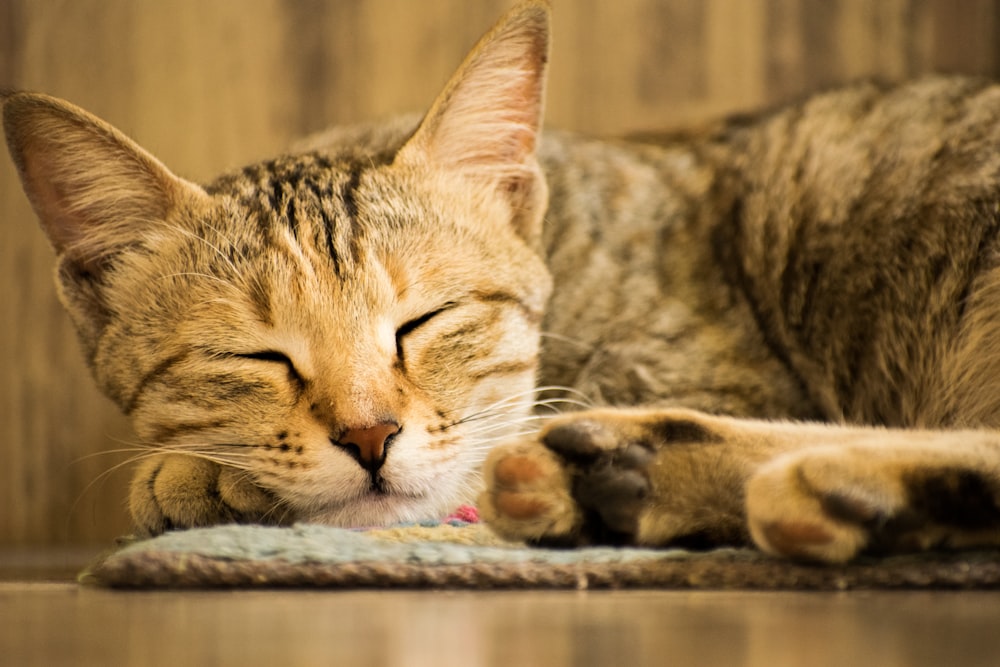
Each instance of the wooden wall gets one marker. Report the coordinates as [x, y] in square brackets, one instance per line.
[207, 85]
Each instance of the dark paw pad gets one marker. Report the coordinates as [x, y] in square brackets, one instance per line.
[609, 481]
[582, 440]
[615, 488]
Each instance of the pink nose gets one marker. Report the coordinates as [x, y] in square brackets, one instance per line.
[368, 444]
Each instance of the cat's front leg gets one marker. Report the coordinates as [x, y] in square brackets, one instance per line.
[807, 491]
[889, 492]
[651, 477]
[175, 491]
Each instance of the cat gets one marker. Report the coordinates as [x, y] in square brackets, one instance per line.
[781, 329]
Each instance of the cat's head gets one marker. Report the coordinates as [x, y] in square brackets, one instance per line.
[354, 327]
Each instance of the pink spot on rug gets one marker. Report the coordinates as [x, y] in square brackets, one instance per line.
[466, 513]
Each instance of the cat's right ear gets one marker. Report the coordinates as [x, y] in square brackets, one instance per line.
[95, 190]
[485, 124]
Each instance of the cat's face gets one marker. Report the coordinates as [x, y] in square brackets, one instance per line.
[354, 327]
[311, 297]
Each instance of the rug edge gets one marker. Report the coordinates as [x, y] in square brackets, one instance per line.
[166, 570]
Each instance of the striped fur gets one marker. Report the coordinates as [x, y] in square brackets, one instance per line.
[785, 324]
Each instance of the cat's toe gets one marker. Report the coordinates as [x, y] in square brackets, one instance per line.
[147, 516]
[171, 492]
[528, 496]
[581, 440]
[610, 482]
[247, 502]
[813, 506]
[614, 496]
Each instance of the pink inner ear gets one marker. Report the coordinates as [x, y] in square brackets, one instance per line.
[93, 188]
[487, 119]
[527, 100]
[50, 202]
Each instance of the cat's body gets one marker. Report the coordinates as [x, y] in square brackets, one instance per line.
[816, 262]
[643, 311]
[343, 334]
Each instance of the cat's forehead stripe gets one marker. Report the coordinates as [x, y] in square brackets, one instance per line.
[312, 195]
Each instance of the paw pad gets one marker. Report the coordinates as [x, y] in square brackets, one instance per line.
[518, 470]
[581, 440]
[795, 539]
[519, 507]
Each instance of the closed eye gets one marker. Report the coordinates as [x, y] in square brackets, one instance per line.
[268, 355]
[275, 357]
[414, 324]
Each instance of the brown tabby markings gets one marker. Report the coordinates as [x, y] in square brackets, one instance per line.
[793, 319]
[304, 297]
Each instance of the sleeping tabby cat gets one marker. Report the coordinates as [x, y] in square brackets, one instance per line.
[787, 328]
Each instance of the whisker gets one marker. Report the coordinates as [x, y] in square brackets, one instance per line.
[566, 339]
[218, 251]
[219, 232]
[515, 399]
[550, 404]
[103, 477]
[231, 461]
[565, 390]
[496, 426]
[107, 452]
[241, 281]
[505, 402]
[216, 445]
[222, 453]
[206, 276]
[273, 511]
[233, 455]
[562, 404]
[501, 403]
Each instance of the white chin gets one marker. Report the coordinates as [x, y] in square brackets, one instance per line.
[373, 510]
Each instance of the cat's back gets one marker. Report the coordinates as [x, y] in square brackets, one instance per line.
[847, 230]
[862, 223]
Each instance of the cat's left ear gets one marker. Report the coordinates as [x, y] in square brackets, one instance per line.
[485, 124]
[95, 190]
[97, 194]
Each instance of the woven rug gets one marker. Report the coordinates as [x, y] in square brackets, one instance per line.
[457, 553]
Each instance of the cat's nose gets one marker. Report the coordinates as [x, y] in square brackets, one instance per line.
[368, 444]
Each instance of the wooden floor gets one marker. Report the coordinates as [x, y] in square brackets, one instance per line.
[46, 619]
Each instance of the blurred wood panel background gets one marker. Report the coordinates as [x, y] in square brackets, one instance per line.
[210, 85]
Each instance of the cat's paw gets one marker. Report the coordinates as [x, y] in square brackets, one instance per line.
[174, 491]
[581, 481]
[807, 506]
[832, 504]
